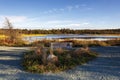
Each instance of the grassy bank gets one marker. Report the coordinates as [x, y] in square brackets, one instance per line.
[4, 41]
[25, 35]
[67, 59]
[30, 35]
[2, 36]
[115, 42]
[80, 43]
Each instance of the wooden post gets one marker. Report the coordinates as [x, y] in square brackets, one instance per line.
[51, 57]
[44, 56]
[51, 48]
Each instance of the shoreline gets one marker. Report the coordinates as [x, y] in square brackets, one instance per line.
[30, 35]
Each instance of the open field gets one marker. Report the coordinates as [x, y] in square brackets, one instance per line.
[105, 67]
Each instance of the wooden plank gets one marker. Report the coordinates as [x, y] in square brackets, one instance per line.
[61, 45]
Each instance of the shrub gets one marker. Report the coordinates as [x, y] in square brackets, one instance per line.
[67, 59]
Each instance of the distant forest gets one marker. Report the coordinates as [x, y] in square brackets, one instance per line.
[65, 31]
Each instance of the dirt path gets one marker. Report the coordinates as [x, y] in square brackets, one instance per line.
[105, 67]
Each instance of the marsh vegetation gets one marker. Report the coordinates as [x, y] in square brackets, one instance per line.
[63, 60]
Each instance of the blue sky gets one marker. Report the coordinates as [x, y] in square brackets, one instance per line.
[57, 14]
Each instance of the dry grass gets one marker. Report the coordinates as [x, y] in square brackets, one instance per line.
[2, 36]
[80, 43]
[25, 35]
[65, 60]
[30, 35]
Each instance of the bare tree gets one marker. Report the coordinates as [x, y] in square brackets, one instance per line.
[8, 25]
[12, 34]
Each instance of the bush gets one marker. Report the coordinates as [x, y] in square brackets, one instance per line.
[67, 59]
[115, 42]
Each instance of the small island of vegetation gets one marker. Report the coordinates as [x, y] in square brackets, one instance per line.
[61, 59]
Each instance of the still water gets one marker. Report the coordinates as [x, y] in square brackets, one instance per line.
[72, 36]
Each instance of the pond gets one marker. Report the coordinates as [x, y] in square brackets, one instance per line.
[72, 36]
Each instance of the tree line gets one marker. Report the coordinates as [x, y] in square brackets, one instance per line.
[65, 31]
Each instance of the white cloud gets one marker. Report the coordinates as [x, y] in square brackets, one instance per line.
[58, 24]
[19, 21]
[58, 21]
[74, 25]
[1, 23]
[35, 23]
[71, 26]
[50, 11]
[54, 22]
[68, 8]
[15, 19]
[61, 26]
[85, 23]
